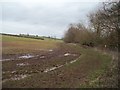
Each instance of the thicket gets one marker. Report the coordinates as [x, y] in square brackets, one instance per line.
[104, 28]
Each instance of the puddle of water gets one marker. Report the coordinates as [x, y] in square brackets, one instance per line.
[20, 57]
[19, 77]
[5, 60]
[73, 61]
[50, 69]
[42, 57]
[50, 50]
[60, 66]
[22, 64]
[13, 71]
[53, 68]
[26, 56]
[3, 72]
[67, 54]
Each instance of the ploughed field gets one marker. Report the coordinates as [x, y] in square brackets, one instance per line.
[49, 63]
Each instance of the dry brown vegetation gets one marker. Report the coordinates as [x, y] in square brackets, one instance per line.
[103, 29]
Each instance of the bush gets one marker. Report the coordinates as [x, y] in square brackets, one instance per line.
[79, 34]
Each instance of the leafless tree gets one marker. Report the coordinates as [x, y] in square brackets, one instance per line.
[105, 22]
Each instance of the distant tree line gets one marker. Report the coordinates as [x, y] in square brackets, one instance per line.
[104, 28]
[51, 37]
[32, 36]
[25, 36]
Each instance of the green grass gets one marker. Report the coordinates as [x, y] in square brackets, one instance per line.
[93, 76]
[13, 45]
[93, 65]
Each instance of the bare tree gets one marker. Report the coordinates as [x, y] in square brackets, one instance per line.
[78, 33]
[105, 23]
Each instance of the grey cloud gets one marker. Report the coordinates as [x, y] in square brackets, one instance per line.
[45, 19]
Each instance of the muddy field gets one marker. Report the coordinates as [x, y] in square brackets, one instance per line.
[17, 64]
[55, 64]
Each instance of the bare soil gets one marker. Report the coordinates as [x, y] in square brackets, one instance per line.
[41, 60]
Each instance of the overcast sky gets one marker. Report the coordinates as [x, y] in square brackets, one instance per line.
[43, 17]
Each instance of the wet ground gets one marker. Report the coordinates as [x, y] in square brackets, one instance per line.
[20, 66]
[66, 66]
